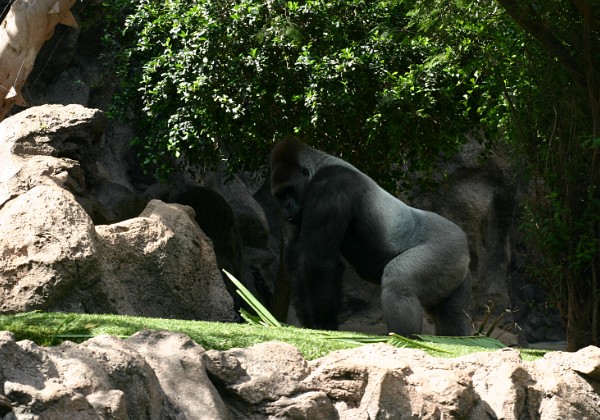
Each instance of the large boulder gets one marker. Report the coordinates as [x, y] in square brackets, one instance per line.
[55, 256]
[46, 146]
[158, 374]
[47, 246]
[151, 375]
[159, 264]
[62, 145]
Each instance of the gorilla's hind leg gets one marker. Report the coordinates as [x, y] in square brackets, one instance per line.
[400, 300]
[413, 283]
[450, 316]
[402, 312]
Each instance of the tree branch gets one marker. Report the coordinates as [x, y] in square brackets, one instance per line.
[27, 25]
[533, 24]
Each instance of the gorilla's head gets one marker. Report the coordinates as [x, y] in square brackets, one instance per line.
[289, 177]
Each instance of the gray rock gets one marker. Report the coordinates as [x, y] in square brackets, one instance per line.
[180, 368]
[159, 264]
[158, 374]
[47, 246]
[52, 257]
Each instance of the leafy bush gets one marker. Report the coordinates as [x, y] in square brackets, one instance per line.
[209, 81]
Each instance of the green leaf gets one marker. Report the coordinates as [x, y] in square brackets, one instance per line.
[397, 340]
[359, 341]
[393, 339]
[476, 341]
[251, 319]
[266, 317]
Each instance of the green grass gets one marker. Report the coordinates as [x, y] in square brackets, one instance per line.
[51, 328]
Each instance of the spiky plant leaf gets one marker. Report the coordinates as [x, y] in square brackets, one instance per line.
[475, 341]
[397, 340]
[393, 340]
[251, 319]
[359, 341]
[266, 317]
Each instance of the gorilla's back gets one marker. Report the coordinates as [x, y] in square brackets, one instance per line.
[381, 227]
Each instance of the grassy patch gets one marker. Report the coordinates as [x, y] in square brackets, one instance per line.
[51, 328]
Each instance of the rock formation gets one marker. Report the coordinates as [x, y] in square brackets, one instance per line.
[157, 374]
[82, 229]
[53, 256]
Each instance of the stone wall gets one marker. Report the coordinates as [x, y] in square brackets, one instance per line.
[158, 374]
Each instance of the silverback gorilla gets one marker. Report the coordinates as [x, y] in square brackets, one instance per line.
[420, 258]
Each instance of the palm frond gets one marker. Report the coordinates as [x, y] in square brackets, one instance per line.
[474, 341]
[266, 318]
[358, 341]
[397, 340]
[393, 340]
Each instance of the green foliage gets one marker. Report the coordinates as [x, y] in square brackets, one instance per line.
[263, 316]
[206, 81]
[475, 341]
[266, 319]
[555, 123]
[53, 328]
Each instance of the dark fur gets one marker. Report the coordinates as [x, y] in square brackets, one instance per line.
[420, 258]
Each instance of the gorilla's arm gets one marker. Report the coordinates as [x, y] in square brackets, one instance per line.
[314, 257]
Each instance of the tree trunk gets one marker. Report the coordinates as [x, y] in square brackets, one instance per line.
[580, 192]
[578, 333]
[27, 25]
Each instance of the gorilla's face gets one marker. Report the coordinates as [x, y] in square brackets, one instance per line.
[290, 206]
[289, 177]
[290, 194]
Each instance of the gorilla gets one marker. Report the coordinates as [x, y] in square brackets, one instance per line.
[420, 258]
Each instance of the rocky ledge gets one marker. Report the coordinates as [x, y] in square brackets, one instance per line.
[158, 374]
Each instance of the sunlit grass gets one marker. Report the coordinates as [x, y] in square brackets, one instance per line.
[51, 328]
